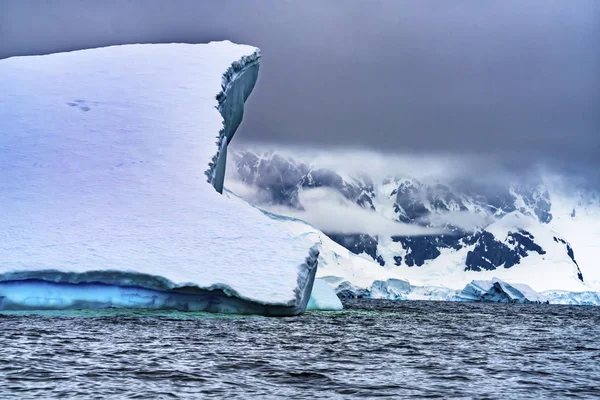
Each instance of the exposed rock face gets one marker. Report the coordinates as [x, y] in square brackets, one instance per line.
[358, 244]
[571, 255]
[490, 253]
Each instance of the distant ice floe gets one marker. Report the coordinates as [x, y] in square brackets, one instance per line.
[486, 291]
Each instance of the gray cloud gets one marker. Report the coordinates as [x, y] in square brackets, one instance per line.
[516, 80]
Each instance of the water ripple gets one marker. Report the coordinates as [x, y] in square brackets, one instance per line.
[372, 349]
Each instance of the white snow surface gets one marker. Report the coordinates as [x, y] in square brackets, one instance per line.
[102, 160]
[577, 217]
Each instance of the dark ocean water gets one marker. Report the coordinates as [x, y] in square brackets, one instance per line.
[372, 349]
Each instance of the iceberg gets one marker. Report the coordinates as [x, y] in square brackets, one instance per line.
[395, 289]
[323, 297]
[498, 291]
[588, 298]
[111, 164]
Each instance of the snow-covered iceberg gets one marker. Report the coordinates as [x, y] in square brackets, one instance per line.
[104, 199]
[498, 291]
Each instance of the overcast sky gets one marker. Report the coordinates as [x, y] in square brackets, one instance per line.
[510, 78]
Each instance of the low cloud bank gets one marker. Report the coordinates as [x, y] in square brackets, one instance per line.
[465, 220]
[329, 211]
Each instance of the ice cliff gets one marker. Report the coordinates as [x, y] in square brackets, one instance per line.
[104, 155]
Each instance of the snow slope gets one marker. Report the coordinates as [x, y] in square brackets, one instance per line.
[578, 214]
[104, 155]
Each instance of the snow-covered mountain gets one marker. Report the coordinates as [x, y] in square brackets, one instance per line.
[539, 234]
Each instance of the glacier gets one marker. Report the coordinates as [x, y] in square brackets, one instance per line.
[111, 164]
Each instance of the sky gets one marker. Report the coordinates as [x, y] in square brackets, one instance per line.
[516, 82]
